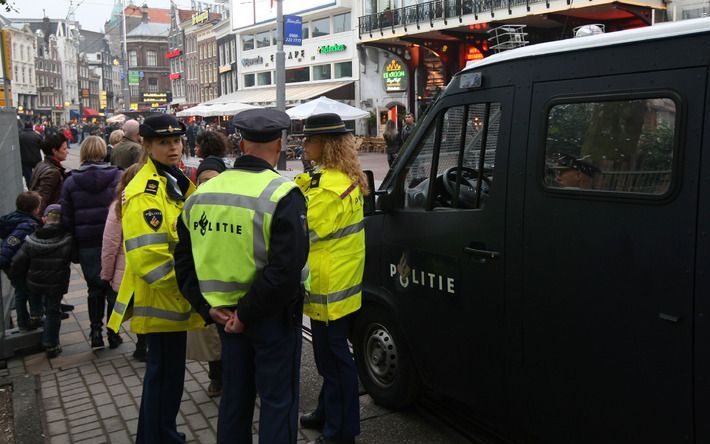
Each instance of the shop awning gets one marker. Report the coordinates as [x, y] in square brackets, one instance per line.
[266, 96]
[90, 112]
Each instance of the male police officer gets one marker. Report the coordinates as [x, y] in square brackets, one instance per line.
[240, 261]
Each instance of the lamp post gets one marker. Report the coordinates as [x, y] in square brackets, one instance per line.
[280, 76]
[126, 88]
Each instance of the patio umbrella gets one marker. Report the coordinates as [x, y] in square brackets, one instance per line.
[226, 109]
[325, 105]
[197, 110]
[116, 118]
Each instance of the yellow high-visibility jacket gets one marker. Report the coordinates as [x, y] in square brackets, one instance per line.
[149, 225]
[337, 244]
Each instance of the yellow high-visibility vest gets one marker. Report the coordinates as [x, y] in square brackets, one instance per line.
[337, 244]
[229, 219]
[149, 226]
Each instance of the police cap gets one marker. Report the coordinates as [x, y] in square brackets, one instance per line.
[567, 162]
[161, 125]
[261, 125]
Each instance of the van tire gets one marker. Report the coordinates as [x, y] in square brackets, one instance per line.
[383, 361]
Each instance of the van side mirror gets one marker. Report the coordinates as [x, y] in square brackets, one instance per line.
[369, 203]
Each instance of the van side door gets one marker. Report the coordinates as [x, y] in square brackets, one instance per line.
[609, 254]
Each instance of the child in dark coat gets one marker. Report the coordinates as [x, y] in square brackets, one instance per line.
[14, 228]
[45, 259]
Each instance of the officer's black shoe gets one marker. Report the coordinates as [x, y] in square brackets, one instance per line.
[312, 421]
[114, 340]
[97, 339]
[66, 307]
[63, 316]
[323, 440]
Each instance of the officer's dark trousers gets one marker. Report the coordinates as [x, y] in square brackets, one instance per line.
[265, 359]
[162, 389]
[338, 402]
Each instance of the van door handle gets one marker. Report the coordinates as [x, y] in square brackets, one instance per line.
[482, 254]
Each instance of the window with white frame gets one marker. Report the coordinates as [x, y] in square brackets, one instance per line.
[341, 23]
[151, 58]
[321, 27]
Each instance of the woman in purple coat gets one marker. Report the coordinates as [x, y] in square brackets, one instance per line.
[86, 196]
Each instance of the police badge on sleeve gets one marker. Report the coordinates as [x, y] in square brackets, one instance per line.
[154, 218]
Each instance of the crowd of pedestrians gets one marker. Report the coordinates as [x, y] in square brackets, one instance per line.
[213, 264]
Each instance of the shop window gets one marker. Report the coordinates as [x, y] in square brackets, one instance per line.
[295, 75]
[321, 72]
[341, 23]
[321, 27]
[263, 39]
[620, 146]
[263, 78]
[343, 69]
[247, 42]
[248, 80]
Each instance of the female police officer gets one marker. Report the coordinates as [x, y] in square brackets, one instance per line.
[336, 260]
[152, 202]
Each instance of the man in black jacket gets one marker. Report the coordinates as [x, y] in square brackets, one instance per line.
[30, 152]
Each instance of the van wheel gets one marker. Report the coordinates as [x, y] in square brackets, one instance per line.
[385, 367]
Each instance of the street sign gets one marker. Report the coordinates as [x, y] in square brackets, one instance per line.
[293, 30]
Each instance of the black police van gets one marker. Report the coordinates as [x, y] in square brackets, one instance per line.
[540, 253]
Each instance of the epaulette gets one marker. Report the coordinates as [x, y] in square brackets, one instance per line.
[315, 180]
[151, 187]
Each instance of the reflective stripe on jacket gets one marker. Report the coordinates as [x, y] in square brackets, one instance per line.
[149, 225]
[230, 217]
[337, 251]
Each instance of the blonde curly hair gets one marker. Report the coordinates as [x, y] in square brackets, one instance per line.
[339, 152]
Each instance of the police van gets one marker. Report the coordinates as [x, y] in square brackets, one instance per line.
[540, 253]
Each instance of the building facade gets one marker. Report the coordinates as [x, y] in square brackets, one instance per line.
[24, 77]
[226, 56]
[49, 78]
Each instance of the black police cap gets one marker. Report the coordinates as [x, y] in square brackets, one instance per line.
[565, 162]
[161, 125]
[261, 125]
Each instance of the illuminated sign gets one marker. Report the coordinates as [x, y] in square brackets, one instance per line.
[155, 97]
[173, 54]
[247, 62]
[175, 76]
[103, 103]
[84, 92]
[473, 53]
[134, 106]
[200, 17]
[225, 68]
[395, 75]
[327, 49]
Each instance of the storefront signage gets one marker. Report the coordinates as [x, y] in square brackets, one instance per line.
[175, 76]
[224, 68]
[200, 17]
[155, 97]
[395, 75]
[134, 77]
[84, 92]
[293, 30]
[247, 62]
[173, 54]
[103, 103]
[327, 49]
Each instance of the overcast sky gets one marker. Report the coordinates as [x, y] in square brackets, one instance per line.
[92, 14]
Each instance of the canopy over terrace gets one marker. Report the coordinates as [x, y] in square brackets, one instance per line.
[295, 93]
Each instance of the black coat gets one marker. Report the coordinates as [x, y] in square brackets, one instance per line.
[30, 152]
[44, 261]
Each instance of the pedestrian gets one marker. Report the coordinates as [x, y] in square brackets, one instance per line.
[113, 140]
[152, 202]
[87, 194]
[14, 228]
[392, 140]
[129, 150]
[211, 146]
[335, 193]
[191, 137]
[30, 151]
[240, 261]
[407, 128]
[113, 258]
[45, 259]
[48, 175]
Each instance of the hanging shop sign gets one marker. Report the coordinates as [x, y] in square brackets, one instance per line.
[103, 102]
[224, 68]
[327, 49]
[395, 75]
[200, 17]
[175, 76]
[134, 77]
[173, 54]
[84, 92]
[293, 30]
[247, 62]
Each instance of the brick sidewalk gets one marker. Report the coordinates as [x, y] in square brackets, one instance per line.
[94, 396]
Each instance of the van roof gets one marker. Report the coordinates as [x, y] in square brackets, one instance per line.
[655, 32]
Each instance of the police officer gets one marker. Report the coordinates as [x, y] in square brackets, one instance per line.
[337, 260]
[151, 206]
[241, 261]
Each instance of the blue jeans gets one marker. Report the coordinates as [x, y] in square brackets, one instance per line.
[22, 297]
[339, 401]
[265, 358]
[163, 383]
[98, 289]
[52, 320]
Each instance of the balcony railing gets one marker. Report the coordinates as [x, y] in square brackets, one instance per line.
[425, 13]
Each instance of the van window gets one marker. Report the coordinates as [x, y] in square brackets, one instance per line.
[622, 146]
[465, 159]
